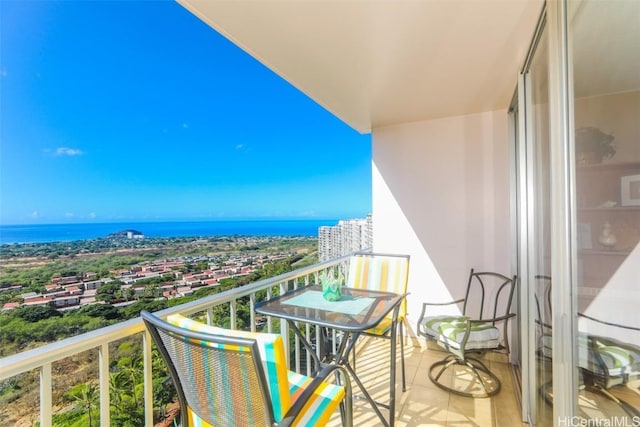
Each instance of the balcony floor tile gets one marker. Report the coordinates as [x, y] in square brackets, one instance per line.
[424, 404]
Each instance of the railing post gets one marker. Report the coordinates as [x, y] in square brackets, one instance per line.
[252, 306]
[284, 327]
[46, 403]
[148, 378]
[103, 369]
[210, 316]
[233, 315]
[269, 327]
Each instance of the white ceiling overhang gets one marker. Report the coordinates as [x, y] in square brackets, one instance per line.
[381, 63]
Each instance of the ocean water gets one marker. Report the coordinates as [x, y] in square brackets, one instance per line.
[42, 233]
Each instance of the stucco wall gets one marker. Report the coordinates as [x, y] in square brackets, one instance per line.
[441, 194]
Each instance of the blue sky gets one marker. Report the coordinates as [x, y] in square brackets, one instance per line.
[125, 110]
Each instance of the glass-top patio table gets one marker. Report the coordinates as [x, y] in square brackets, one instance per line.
[356, 312]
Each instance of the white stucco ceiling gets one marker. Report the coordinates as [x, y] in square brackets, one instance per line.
[381, 63]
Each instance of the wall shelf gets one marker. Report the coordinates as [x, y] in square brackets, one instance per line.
[603, 252]
[613, 209]
[595, 185]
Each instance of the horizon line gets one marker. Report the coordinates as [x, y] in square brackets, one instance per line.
[158, 220]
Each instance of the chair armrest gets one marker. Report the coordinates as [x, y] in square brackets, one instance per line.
[617, 325]
[458, 301]
[424, 312]
[492, 321]
[543, 325]
[322, 376]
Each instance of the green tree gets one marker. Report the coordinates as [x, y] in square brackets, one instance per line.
[86, 395]
[151, 291]
[164, 392]
[35, 313]
[108, 292]
[104, 311]
[119, 386]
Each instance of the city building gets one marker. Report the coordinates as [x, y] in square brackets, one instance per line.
[349, 235]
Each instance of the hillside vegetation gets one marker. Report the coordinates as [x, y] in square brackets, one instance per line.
[75, 378]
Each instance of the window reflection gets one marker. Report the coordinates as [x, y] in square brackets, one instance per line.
[606, 64]
[541, 229]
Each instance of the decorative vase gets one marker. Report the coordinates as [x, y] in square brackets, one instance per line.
[607, 238]
[331, 286]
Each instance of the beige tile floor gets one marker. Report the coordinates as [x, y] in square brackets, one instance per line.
[593, 403]
[424, 404]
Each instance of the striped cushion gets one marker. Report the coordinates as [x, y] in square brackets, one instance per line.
[384, 326]
[271, 352]
[321, 406]
[195, 421]
[284, 386]
[380, 273]
[451, 329]
[619, 359]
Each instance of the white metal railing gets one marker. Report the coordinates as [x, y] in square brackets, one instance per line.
[42, 358]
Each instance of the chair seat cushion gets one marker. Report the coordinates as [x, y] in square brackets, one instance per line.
[272, 353]
[450, 330]
[597, 354]
[319, 408]
[285, 386]
[600, 355]
[384, 326]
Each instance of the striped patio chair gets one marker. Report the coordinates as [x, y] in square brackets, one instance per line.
[465, 337]
[236, 378]
[382, 272]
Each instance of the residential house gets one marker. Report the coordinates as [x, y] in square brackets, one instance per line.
[95, 284]
[184, 291]
[66, 301]
[53, 287]
[10, 305]
[44, 301]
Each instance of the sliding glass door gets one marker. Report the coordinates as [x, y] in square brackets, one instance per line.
[578, 208]
[606, 88]
[533, 172]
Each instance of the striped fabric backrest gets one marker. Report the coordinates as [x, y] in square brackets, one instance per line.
[272, 354]
[381, 273]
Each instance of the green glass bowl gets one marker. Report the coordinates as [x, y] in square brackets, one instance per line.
[331, 292]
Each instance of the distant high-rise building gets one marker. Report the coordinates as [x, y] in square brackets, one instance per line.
[350, 235]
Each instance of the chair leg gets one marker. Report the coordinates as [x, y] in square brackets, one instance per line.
[346, 406]
[446, 364]
[490, 385]
[404, 381]
[476, 365]
[353, 354]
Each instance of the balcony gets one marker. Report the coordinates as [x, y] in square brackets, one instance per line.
[422, 404]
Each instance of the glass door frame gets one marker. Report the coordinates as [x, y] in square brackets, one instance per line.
[563, 216]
